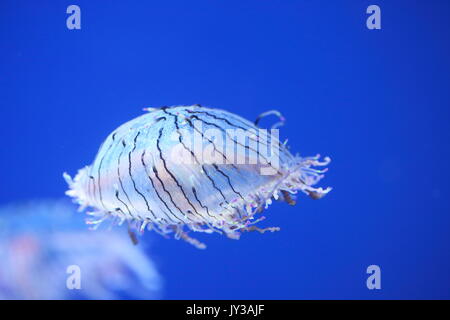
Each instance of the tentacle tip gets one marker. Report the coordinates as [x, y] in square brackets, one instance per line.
[133, 237]
[68, 178]
[320, 193]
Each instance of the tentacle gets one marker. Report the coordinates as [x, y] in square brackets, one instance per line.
[287, 197]
[133, 236]
[260, 230]
[196, 243]
[302, 180]
[96, 218]
[149, 109]
[280, 123]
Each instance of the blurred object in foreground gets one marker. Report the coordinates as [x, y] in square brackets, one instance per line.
[42, 241]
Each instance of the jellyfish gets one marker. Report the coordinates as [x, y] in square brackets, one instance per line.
[44, 246]
[183, 169]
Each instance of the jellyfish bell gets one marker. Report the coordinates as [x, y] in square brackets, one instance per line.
[46, 252]
[135, 176]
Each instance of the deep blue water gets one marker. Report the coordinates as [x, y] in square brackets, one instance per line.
[376, 101]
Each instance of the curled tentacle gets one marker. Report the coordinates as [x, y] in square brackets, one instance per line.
[280, 123]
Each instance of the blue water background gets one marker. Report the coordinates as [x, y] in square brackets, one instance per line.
[376, 101]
